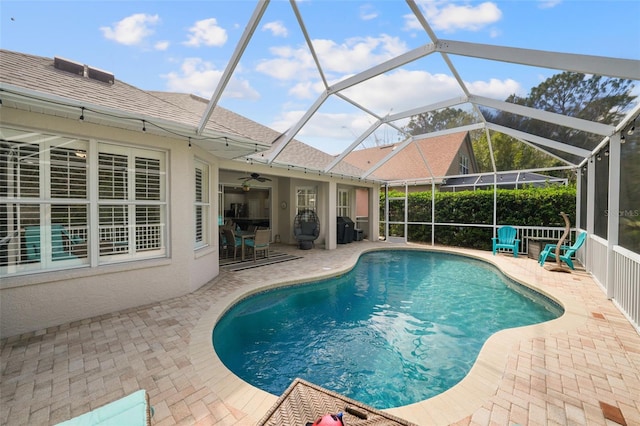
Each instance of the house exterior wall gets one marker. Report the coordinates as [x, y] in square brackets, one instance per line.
[466, 148]
[45, 299]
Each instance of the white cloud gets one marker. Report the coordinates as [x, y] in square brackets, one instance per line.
[303, 90]
[548, 4]
[206, 32]
[200, 78]
[402, 90]
[353, 55]
[368, 12]
[394, 92]
[286, 119]
[358, 53]
[277, 28]
[161, 45]
[288, 64]
[131, 30]
[494, 88]
[450, 17]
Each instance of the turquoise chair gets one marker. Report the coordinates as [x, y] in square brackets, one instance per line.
[233, 243]
[506, 239]
[58, 249]
[132, 410]
[260, 242]
[566, 252]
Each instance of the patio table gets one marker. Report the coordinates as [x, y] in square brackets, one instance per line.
[244, 235]
[304, 402]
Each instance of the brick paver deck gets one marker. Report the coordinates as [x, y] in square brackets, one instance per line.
[581, 369]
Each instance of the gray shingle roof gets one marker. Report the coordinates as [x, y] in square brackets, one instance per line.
[39, 74]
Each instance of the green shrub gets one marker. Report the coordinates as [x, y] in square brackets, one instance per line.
[517, 207]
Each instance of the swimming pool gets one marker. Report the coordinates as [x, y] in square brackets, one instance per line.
[401, 327]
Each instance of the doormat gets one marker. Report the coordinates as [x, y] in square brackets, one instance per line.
[274, 257]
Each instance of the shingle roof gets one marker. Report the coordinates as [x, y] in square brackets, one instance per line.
[440, 153]
[39, 74]
[296, 153]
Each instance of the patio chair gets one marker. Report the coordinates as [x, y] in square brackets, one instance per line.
[233, 243]
[506, 239]
[260, 243]
[62, 243]
[566, 252]
[133, 409]
[306, 228]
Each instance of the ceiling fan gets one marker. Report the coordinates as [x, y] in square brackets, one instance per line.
[254, 176]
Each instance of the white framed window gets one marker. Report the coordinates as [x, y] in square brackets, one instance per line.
[464, 164]
[49, 196]
[202, 205]
[306, 198]
[344, 204]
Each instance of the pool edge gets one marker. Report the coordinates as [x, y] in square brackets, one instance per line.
[478, 386]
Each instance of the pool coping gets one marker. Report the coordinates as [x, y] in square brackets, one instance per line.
[480, 384]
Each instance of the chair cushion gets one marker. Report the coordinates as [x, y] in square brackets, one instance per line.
[308, 228]
[131, 410]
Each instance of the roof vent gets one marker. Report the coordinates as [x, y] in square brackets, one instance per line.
[83, 70]
[68, 65]
[100, 75]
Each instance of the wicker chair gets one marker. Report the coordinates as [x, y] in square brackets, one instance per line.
[306, 228]
[260, 243]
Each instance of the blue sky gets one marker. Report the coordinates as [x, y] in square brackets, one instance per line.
[184, 46]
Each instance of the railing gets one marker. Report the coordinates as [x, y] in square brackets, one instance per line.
[528, 233]
[626, 277]
[597, 260]
[524, 233]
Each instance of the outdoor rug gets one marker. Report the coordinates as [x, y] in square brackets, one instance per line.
[274, 257]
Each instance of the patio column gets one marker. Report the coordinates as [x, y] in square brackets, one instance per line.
[374, 213]
[330, 230]
[613, 218]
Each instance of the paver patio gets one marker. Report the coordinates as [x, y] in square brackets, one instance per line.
[583, 368]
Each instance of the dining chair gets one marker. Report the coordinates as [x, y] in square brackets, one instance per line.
[233, 243]
[260, 243]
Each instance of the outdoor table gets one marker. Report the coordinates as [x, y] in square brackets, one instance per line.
[536, 245]
[304, 402]
[244, 235]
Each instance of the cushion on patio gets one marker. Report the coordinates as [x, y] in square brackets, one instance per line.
[132, 410]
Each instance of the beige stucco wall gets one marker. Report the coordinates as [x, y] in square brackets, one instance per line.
[36, 301]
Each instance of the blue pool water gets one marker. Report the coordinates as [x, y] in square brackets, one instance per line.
[401, 327]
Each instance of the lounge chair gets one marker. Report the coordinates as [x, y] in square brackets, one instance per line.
[506, 239]
[132, 410]
[566, 252]
[260, 243]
